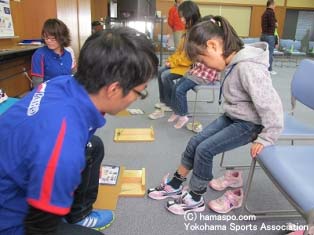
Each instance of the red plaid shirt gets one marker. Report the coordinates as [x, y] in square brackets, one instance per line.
[202, 71]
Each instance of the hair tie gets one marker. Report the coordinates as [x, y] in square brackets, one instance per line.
[213, 21]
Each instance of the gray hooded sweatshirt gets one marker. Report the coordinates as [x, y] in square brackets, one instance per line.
[249, 94]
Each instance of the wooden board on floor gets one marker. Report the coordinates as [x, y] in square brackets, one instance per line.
[123, 113]
[133, 183]
[108, 194]
[134, 134]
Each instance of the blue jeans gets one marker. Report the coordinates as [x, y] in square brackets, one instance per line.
[166, 84]
[86, 193]
[271, 40]
[221, 135]
[179, 103]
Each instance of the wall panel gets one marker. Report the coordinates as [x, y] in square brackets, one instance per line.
[238, 16]
[28, 17]
[84, 20]
[300, 3]
[67, 12]
[99, 9]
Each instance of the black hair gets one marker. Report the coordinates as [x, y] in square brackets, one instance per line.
[58, 29]
[216, 27]
[190, 12]
[96, 23]
[206, 18]
[121, 55]
[269, 3]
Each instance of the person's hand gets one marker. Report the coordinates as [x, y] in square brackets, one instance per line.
[256, 148]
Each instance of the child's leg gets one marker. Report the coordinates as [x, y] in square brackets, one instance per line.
[175, 189]
[180, 104]
[181, 95]
[167, 85]
[236, 134]
[162, 72]
[226, 134]
[173, 105]
[188, 155]
[172, 188]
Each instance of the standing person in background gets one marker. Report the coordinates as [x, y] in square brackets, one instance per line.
[269, 24]
[52, 60]
[175, 23]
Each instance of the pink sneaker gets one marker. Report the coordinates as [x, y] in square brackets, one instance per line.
[173, 117]
[181, 122]
[299, 232]
[231, 179]
[230, 200]
[156, 114]
[184, 204]
[164, 190]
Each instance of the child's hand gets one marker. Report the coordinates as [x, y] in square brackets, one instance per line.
[256, 148]
[167, 64]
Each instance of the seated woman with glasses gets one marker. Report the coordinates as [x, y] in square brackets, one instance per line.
[53, 59]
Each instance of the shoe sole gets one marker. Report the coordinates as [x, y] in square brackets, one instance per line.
[183, 212]
[158, 106]
[107, 225]
[155, 118]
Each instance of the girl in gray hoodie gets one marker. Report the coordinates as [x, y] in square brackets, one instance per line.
[252, 113]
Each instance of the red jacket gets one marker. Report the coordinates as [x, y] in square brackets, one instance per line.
[174, 20]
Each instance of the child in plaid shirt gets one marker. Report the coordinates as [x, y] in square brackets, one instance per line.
[199, 74]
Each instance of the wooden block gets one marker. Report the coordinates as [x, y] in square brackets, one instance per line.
[123, 113]
[108, 194]
[133, 183]
[134, 134]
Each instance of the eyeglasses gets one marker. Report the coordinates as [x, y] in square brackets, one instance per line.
[142, 94]
[51, 38]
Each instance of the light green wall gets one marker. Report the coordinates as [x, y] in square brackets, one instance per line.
[238, 16]
[300, 3]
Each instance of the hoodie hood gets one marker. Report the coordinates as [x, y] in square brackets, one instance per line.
[255, 52]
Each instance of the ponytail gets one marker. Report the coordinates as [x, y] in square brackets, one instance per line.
[232, 42]
[217, 26]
